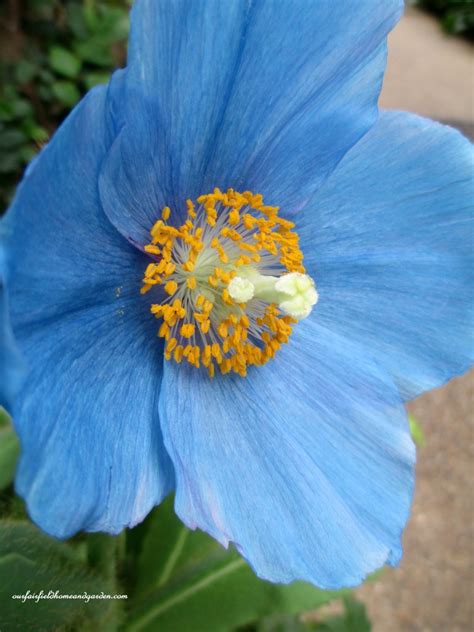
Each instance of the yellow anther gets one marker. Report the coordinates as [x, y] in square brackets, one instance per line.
[223, 330]
[163, 330]
[237, 335]
[157, 226]
[266, 337]
[151, 269]
[171, 287]
[223, 256]
[191, 283]
[187, 330]
[226, 297]
[205, 326]
[212, 281]
[200, 318]
[249, 221]
[248, 247]
[216, 352]
[234, 217]
[225, 366]
[154, 250]
[244, 320]
[165, 213]
[191, 211]
[170, 268]
[171, 344]
[188, 266]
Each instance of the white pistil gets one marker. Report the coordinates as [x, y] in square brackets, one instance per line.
[294, 293]
[241, 290]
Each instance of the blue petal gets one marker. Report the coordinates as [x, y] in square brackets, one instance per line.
[11, 363]
[269, 100]
[306, 464]
[389, 242]
[92, 453]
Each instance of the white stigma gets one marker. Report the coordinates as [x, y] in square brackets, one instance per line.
[301, 293]
[294, 293]
[241, 290]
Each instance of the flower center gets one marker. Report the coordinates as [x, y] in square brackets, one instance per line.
[233, 279]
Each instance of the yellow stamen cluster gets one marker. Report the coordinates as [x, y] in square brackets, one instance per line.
[193, 264]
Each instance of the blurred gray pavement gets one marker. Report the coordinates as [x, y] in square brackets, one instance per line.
[433, 589]
[428, 72]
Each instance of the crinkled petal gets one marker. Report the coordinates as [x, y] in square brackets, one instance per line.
[306, 464]
[92, 452]
[389, 241]
[270, 100]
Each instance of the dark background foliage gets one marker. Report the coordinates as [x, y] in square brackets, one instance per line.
[457, 16]
[51, 53]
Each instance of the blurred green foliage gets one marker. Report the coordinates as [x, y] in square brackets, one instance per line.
[457, 16]
[51, 53]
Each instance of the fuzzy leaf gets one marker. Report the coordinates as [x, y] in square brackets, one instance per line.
[188, 581]
[31, 561]
[9, 451]
[64, 62]
[66, 92]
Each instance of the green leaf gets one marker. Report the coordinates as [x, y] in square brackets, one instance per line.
[109, 24]
[6, 112]
[76, 21]
[285, 623]
[92, 79]
[27, 153]
[66, 92]
[4, 418]
[354, 619]
[16, 108]
[64, 62]
[94, 51]
[187, 581]
[35, 132]
[10, 162]
[22, 108]
[9, 451]
[416, 432]
[31, 561]
[11, 138]
[24, 71]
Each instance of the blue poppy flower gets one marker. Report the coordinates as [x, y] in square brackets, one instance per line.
[153, 209]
